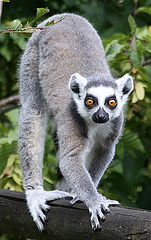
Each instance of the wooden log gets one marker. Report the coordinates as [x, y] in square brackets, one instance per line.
[71, 223]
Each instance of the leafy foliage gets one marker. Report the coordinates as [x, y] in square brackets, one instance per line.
[10, 173]
[130, 53]
[17, 26]
[126, 33]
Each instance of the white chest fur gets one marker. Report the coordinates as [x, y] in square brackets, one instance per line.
[97, 135]
[99, 132]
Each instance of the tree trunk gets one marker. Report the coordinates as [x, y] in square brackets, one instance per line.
[71, 223]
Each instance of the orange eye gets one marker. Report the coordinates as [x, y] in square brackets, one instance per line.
[89, 102]
[112, 102]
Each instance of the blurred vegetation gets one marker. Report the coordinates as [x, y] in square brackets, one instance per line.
[126, 33]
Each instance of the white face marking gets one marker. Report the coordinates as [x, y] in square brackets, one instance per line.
[101, 93]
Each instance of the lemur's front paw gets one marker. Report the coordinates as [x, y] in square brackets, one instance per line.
[105, 203]
[96, 214]
[98, 209]
[37, 203]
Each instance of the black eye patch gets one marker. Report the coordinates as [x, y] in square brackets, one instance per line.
[90, 101]
[111, 102]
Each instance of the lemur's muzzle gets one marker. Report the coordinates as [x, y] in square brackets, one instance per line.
[101, 116]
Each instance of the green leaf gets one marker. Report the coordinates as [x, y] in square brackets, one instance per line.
[41, 12]
[19, 40]
[5, 0]
[15, 24]
[143, 33]
[13, 116]
[11, 160]
[145, 76]
[132, 167]
[49, 23]
[118, 169]
[132, 23]
[140, 46]
[17, 179]
[140, 92]
[134, 97]
[132, 142]
[144, 10]
[5, 151]
[13, 133]
[6, 53]
[48, 180]
[12, 136]
[113, 49]
[125, 66]
[135, 57]
[148, 48]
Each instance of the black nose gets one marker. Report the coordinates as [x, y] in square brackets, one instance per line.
[101, 116]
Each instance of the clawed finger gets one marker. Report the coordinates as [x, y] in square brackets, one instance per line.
[95, 222]
[105, 208]
[39, 215]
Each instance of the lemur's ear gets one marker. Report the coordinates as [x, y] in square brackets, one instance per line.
[125, 86]
[77, 83]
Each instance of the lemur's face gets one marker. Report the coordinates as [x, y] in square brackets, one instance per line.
[100, 101]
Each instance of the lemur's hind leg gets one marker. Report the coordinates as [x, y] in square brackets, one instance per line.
[32, 131]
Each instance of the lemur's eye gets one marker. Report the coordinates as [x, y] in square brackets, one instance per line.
[89, 102]
[112, 102]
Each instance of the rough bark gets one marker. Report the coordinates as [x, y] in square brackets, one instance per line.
[71, 223]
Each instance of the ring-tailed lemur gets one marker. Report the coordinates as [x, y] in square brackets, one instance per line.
[87, 113]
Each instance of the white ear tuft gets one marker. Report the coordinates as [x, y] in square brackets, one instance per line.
[125, 85]
[77, 83]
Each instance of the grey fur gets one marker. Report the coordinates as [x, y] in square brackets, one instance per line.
[106, 81]
[85, 148]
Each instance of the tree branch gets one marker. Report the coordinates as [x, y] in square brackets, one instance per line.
[146, 62]
[13, 99]
[71, 223]
[29, 29]
[1, 7]
[9, 100]
[21, 30]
